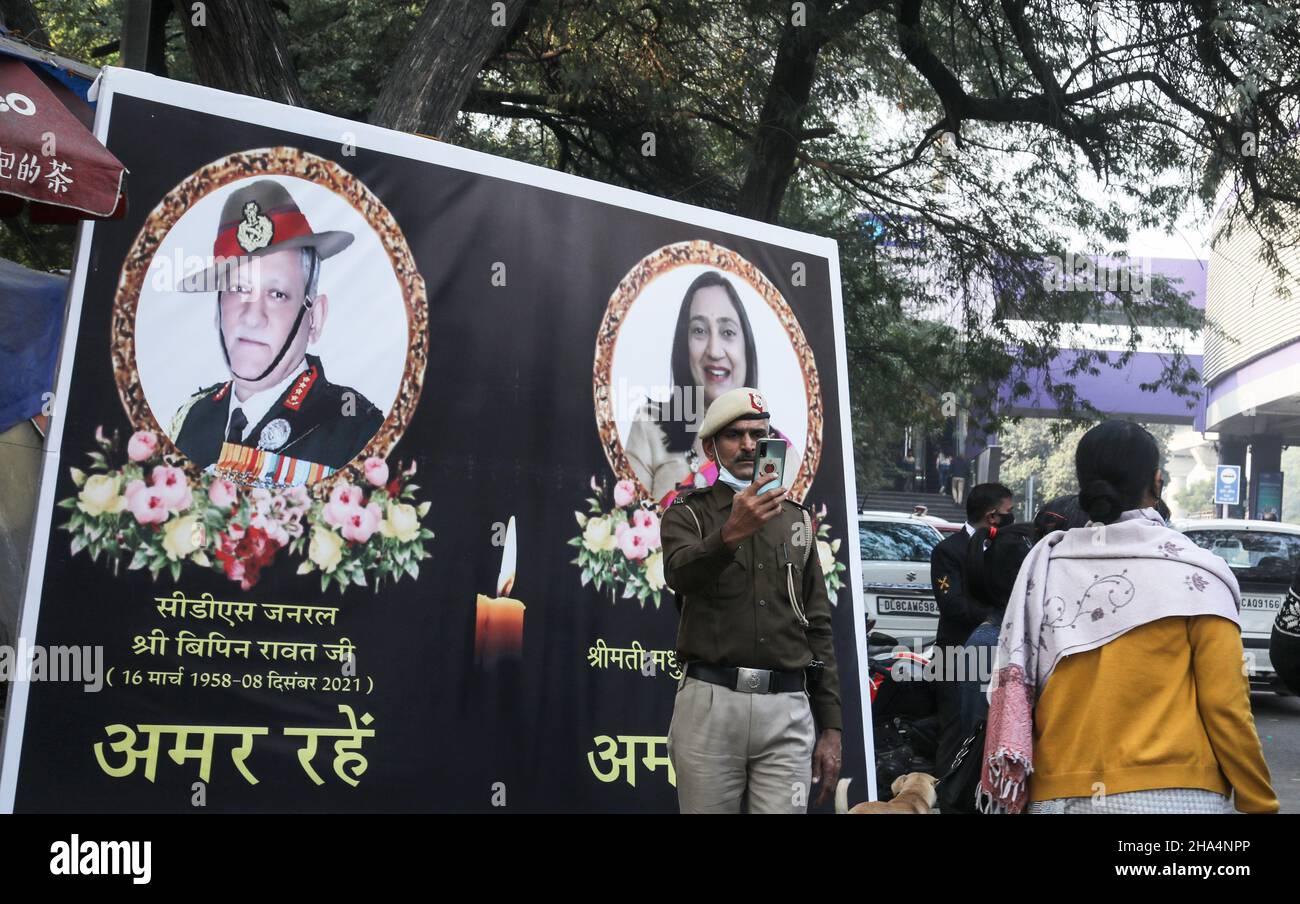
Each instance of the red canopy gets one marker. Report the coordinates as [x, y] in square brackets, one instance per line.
[49, 160]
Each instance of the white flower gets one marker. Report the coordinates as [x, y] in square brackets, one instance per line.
[99, 495]
[598, 537]
[826, 556]
[402, 522]
[654, 571]
[182, 537]
[325, 549]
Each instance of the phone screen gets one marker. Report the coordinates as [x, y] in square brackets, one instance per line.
[771, 460]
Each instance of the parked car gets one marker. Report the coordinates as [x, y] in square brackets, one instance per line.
[1264, 555]
[896, 575]
[942, 526]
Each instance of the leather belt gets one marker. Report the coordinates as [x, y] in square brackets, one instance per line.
[749, 681]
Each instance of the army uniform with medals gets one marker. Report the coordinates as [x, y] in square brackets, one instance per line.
[753, 619]
[313, 420]
[312, 427]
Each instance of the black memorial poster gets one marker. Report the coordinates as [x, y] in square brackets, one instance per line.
[360, 449]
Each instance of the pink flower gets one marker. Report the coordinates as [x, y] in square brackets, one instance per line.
[236, 533]
[335, 514]
[376, 471]
[345, 500]
[146, 503]
[172, 486]
[223, 493]
[620, 530]
[624, 493]
[346, 494]
[278, 534]
[648, 523]
[361, 523]
[142, 445]
[634, 544]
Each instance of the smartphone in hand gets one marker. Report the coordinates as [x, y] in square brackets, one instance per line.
[771, 460]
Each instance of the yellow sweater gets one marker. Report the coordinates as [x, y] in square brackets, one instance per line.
[1166, 705]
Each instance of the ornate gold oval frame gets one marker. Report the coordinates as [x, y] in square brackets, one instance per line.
[629, 289]
[277, 161]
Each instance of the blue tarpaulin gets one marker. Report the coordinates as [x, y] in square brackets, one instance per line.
[76, 82]
[31, 321]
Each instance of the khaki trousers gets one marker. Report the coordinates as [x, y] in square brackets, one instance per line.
[741, 753]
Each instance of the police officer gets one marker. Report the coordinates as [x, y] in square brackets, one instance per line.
[755, 632]
[265, 273]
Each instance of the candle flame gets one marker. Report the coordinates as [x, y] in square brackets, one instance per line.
[506, 579]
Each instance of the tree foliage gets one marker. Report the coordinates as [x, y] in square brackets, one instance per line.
[1197, 498]
[951, 147]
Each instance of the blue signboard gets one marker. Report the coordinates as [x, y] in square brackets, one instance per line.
[1227, 485]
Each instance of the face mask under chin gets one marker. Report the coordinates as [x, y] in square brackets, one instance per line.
[730, 479]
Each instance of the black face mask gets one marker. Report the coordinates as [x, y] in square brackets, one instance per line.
[1004, 519]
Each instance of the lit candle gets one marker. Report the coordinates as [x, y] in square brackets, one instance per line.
[499, 621]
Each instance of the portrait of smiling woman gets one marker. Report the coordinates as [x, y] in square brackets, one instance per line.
[713, 352]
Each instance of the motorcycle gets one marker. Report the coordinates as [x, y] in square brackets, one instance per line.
[904, 709]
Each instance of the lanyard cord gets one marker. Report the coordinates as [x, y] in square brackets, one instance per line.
[302, 312]
[794, 600]
[293, 333]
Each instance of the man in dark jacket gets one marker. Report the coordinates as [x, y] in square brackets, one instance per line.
[1284, 645]
[988, 505]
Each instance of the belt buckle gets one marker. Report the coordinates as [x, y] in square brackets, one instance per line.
[753, 681]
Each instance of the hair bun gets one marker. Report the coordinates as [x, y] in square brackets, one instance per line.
[1101, 500]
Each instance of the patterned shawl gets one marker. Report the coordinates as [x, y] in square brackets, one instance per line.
[1076, 591]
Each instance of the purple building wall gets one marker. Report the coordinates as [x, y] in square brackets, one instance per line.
[1117, 391]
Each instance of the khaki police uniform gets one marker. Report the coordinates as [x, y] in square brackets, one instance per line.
[736, 749]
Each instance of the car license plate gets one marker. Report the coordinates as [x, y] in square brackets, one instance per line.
[907, 606]
[1266, 603]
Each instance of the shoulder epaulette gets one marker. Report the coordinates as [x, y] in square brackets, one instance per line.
[683, 495]
[178, 419]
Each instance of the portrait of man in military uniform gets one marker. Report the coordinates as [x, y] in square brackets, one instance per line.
[277, 420]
